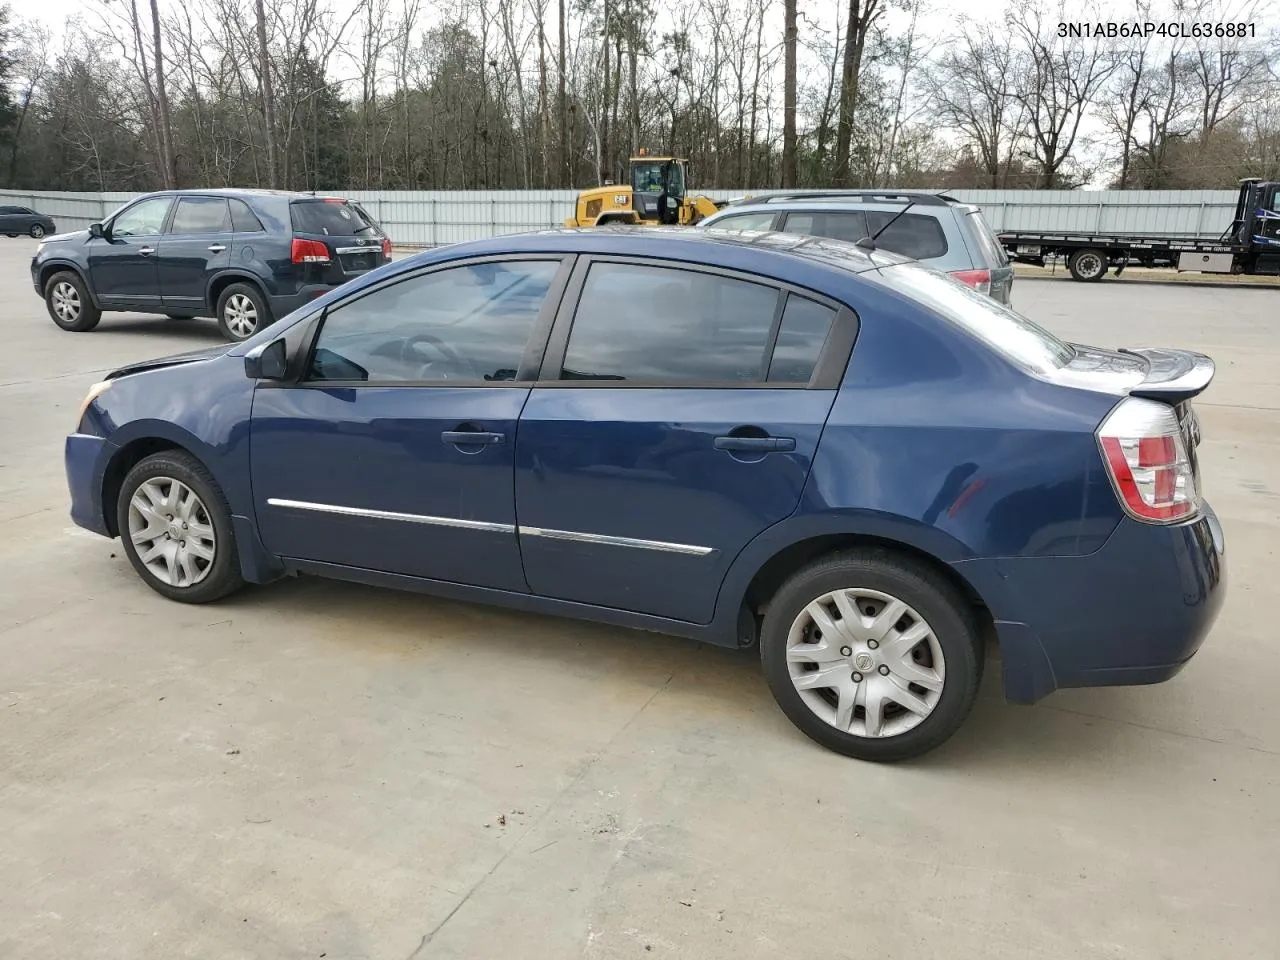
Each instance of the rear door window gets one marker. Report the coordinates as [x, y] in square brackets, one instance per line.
[710, 329]
[913, 235]
[848, 225]
[330, 218]
[199, 215]
[745, 221]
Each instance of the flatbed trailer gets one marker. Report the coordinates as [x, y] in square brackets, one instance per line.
[1251, 244]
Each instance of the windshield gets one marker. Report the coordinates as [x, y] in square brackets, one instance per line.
[1010, 334]
[646, 177]
[331, 218]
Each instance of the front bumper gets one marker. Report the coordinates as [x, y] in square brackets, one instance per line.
[85, 458]
[1133, 612]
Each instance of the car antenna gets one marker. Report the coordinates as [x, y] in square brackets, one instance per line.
[869, 243]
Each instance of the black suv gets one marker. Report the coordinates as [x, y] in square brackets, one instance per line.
[15, 221]
[246, 257]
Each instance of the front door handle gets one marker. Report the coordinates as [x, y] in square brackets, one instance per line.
[146, 251]
[472, 438]
[756, 444]
[216, 248]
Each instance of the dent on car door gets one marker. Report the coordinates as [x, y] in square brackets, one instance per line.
[394, 451]
[659, 442]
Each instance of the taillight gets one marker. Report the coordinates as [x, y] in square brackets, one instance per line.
[980, 280]
[1147, 459]
[386, 247]
[310, 251]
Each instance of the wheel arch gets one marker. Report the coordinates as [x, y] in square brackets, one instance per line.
[47, 270]
[221, 281]
[125, 458]
[766, 563]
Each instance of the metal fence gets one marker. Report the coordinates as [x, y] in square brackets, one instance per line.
[431, 218]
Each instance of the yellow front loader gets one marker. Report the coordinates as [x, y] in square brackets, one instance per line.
[654, 197]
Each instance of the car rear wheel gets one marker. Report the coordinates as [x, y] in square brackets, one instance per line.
[872, 654]
[1088, 265]
[67, 299]
[176, 529]
[37, 231]
[242, 312]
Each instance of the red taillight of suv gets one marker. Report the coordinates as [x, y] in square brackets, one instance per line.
[310, 251]
[980, 280]
[386, 247]
[1148, 461]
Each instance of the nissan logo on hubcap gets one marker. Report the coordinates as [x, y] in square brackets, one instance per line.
[864, 662]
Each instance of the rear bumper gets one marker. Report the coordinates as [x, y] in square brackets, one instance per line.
[284, 304]
[85, 458]
[1134, 612]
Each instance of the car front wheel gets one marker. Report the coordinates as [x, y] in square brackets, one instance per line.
[70, 307]
[872, 654]
[176, 529]
[242, 312]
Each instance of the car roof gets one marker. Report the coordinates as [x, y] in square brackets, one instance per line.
[240, 192]
[921, 200]
[706, 245]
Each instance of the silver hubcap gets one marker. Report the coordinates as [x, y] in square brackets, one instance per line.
[66, 301]
[1089, 265]
[865, 662]
[241, 315]
[172, 532]
[37, 232]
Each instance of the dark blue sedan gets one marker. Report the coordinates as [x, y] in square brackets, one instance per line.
[857, 463]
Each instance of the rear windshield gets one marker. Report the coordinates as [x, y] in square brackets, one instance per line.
[992, 252]
[330, 219]
[1010, 334]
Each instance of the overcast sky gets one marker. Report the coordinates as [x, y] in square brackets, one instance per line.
[940, 18]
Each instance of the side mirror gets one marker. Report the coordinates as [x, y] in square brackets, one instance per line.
[96, 230]
[270, 361]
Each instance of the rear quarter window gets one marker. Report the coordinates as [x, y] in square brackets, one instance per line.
[915, 235]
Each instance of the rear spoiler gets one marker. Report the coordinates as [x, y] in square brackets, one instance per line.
[1173, 376]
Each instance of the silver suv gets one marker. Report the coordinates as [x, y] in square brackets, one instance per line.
[937, 230]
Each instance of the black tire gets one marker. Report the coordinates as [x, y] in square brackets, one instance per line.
[949, 618]
[1089, 266]
[11, 235]
[37, 231]
[75, 313]
[230, 310]
[218, 578]
[180, 316]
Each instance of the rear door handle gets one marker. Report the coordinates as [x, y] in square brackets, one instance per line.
[756, 444]
[217, 248]
[146, 251]
[474, 438]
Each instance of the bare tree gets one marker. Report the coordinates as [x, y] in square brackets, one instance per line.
[789, 96]
[973, 89]
[32, 65]
[268, 97]
[863, 15]
[1057, 84]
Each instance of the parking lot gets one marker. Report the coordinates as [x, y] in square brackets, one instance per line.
[315, 769]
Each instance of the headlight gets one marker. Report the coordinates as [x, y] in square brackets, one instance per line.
[97, 390]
